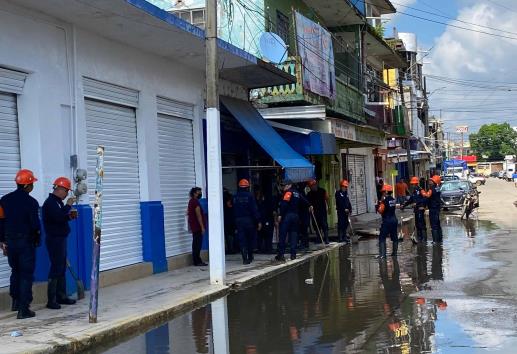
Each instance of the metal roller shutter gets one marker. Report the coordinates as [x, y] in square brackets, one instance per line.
[356, 171]
[177, 177]
[9, 160]
[115, 127]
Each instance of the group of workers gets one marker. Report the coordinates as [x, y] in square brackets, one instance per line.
[421, 198]
[20, 235]
[292, 215]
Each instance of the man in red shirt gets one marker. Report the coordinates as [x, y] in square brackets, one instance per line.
[196, 225]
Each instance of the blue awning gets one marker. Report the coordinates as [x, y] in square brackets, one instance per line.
[296, 167]
[307, 141]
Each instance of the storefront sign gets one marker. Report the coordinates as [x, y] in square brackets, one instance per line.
[315, 49]
[342, 130]
[364, 136]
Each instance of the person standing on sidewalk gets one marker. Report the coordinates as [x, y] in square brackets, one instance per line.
[435, 205]
[401, 190]
[229, 223]
[305, 219]
[196, 224]
[19, 237]
[318, 198]
[387, 207]
[247, 220]
[267, 219]
[344, 209]
[420, 203]
[56, 216]
[289, 220]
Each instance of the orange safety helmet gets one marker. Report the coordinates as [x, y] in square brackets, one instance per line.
[244, 183]
[420, 301]
[436, 179]
[63, 182]
[344, 183]
[387, 188]
[312, 182]
[25, 177]
[414, 180]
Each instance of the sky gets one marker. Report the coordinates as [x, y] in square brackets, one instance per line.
[485, 64]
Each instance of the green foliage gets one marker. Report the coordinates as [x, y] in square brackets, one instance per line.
[494, 141]
[379, 30]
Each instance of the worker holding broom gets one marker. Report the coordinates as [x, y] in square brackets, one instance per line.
[56, 216]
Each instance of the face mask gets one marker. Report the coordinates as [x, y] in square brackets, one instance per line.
[199, 196]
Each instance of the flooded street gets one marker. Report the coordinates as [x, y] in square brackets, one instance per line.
[433, 298]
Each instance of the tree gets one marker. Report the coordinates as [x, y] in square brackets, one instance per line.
[494, 141]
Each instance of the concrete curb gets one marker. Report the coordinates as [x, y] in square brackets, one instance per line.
[130, 326]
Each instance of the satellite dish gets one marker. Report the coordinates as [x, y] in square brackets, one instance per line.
[272, 47]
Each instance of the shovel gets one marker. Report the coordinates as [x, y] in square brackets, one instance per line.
[78, 282]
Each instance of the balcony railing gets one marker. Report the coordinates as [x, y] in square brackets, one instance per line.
[349, 101]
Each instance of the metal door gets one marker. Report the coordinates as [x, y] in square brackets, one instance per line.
[9, 160]
[114, 126]
[354, 170]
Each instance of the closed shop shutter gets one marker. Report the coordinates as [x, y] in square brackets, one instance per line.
[355, 169]
[9, 160]
[177, 177]
[114, 127]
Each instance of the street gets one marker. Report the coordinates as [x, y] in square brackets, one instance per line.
[457, 299]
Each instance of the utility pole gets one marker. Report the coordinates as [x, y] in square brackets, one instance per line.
[214, 166]
[408, 147]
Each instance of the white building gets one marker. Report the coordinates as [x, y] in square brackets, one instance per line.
[127, 75]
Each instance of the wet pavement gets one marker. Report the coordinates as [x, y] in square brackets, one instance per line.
[433, 298]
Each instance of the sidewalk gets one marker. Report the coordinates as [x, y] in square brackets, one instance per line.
[135, 306]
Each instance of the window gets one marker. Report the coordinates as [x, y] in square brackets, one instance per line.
[282, 26]
[195, 17]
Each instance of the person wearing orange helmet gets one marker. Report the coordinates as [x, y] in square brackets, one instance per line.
[318, 198]
[247, 220]
[56, 216]
[386, 208]
[420, 203]
[19, 237]
[344, 209]
[435, 205]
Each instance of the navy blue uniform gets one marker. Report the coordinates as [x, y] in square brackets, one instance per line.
[318, 199]
[20, 230]
[265, 235]
[305, 221]
[290, 205]
[246, 218]
[388, 226]
[343, 205]
[435, 205]
[420, 203]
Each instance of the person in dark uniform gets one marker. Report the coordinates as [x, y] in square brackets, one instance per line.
[435, 205]
[318, 198]
[305, 219]
[420, 203]
[266, 211]
[56, 216]
[229, 223]
[344, 208]
[289, 220]
[387, 207]
[19, 237]
[246, 220]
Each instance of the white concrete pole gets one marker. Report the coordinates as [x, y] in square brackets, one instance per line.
[214, 173]
[220, 332]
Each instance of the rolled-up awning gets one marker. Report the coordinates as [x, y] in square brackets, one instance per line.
[307, 141]
[296, 167]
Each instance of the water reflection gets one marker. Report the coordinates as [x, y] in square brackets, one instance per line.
[355, 304]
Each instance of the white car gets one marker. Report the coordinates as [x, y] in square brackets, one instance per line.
[477, 179]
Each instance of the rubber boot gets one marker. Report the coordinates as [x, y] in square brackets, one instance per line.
[250, 256]
[244, 253]
[25, 313]
[52, 295]
[435, 235]
[395, 246]
[382, 250]
[61, 296]
[15, 306]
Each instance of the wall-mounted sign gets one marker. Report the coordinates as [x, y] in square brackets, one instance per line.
[342, 130]
[462, 129]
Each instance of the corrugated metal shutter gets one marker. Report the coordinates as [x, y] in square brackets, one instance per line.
[12, 81]
[107, 92]
[356, 171]
[177, 177]
[115, 127]
[9, 160]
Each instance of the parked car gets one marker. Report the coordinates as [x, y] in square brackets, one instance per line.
[494, 174]
[477, 179]
[454, 193]
[450, 178]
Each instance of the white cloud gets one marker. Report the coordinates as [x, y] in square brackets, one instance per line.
[469, 55]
